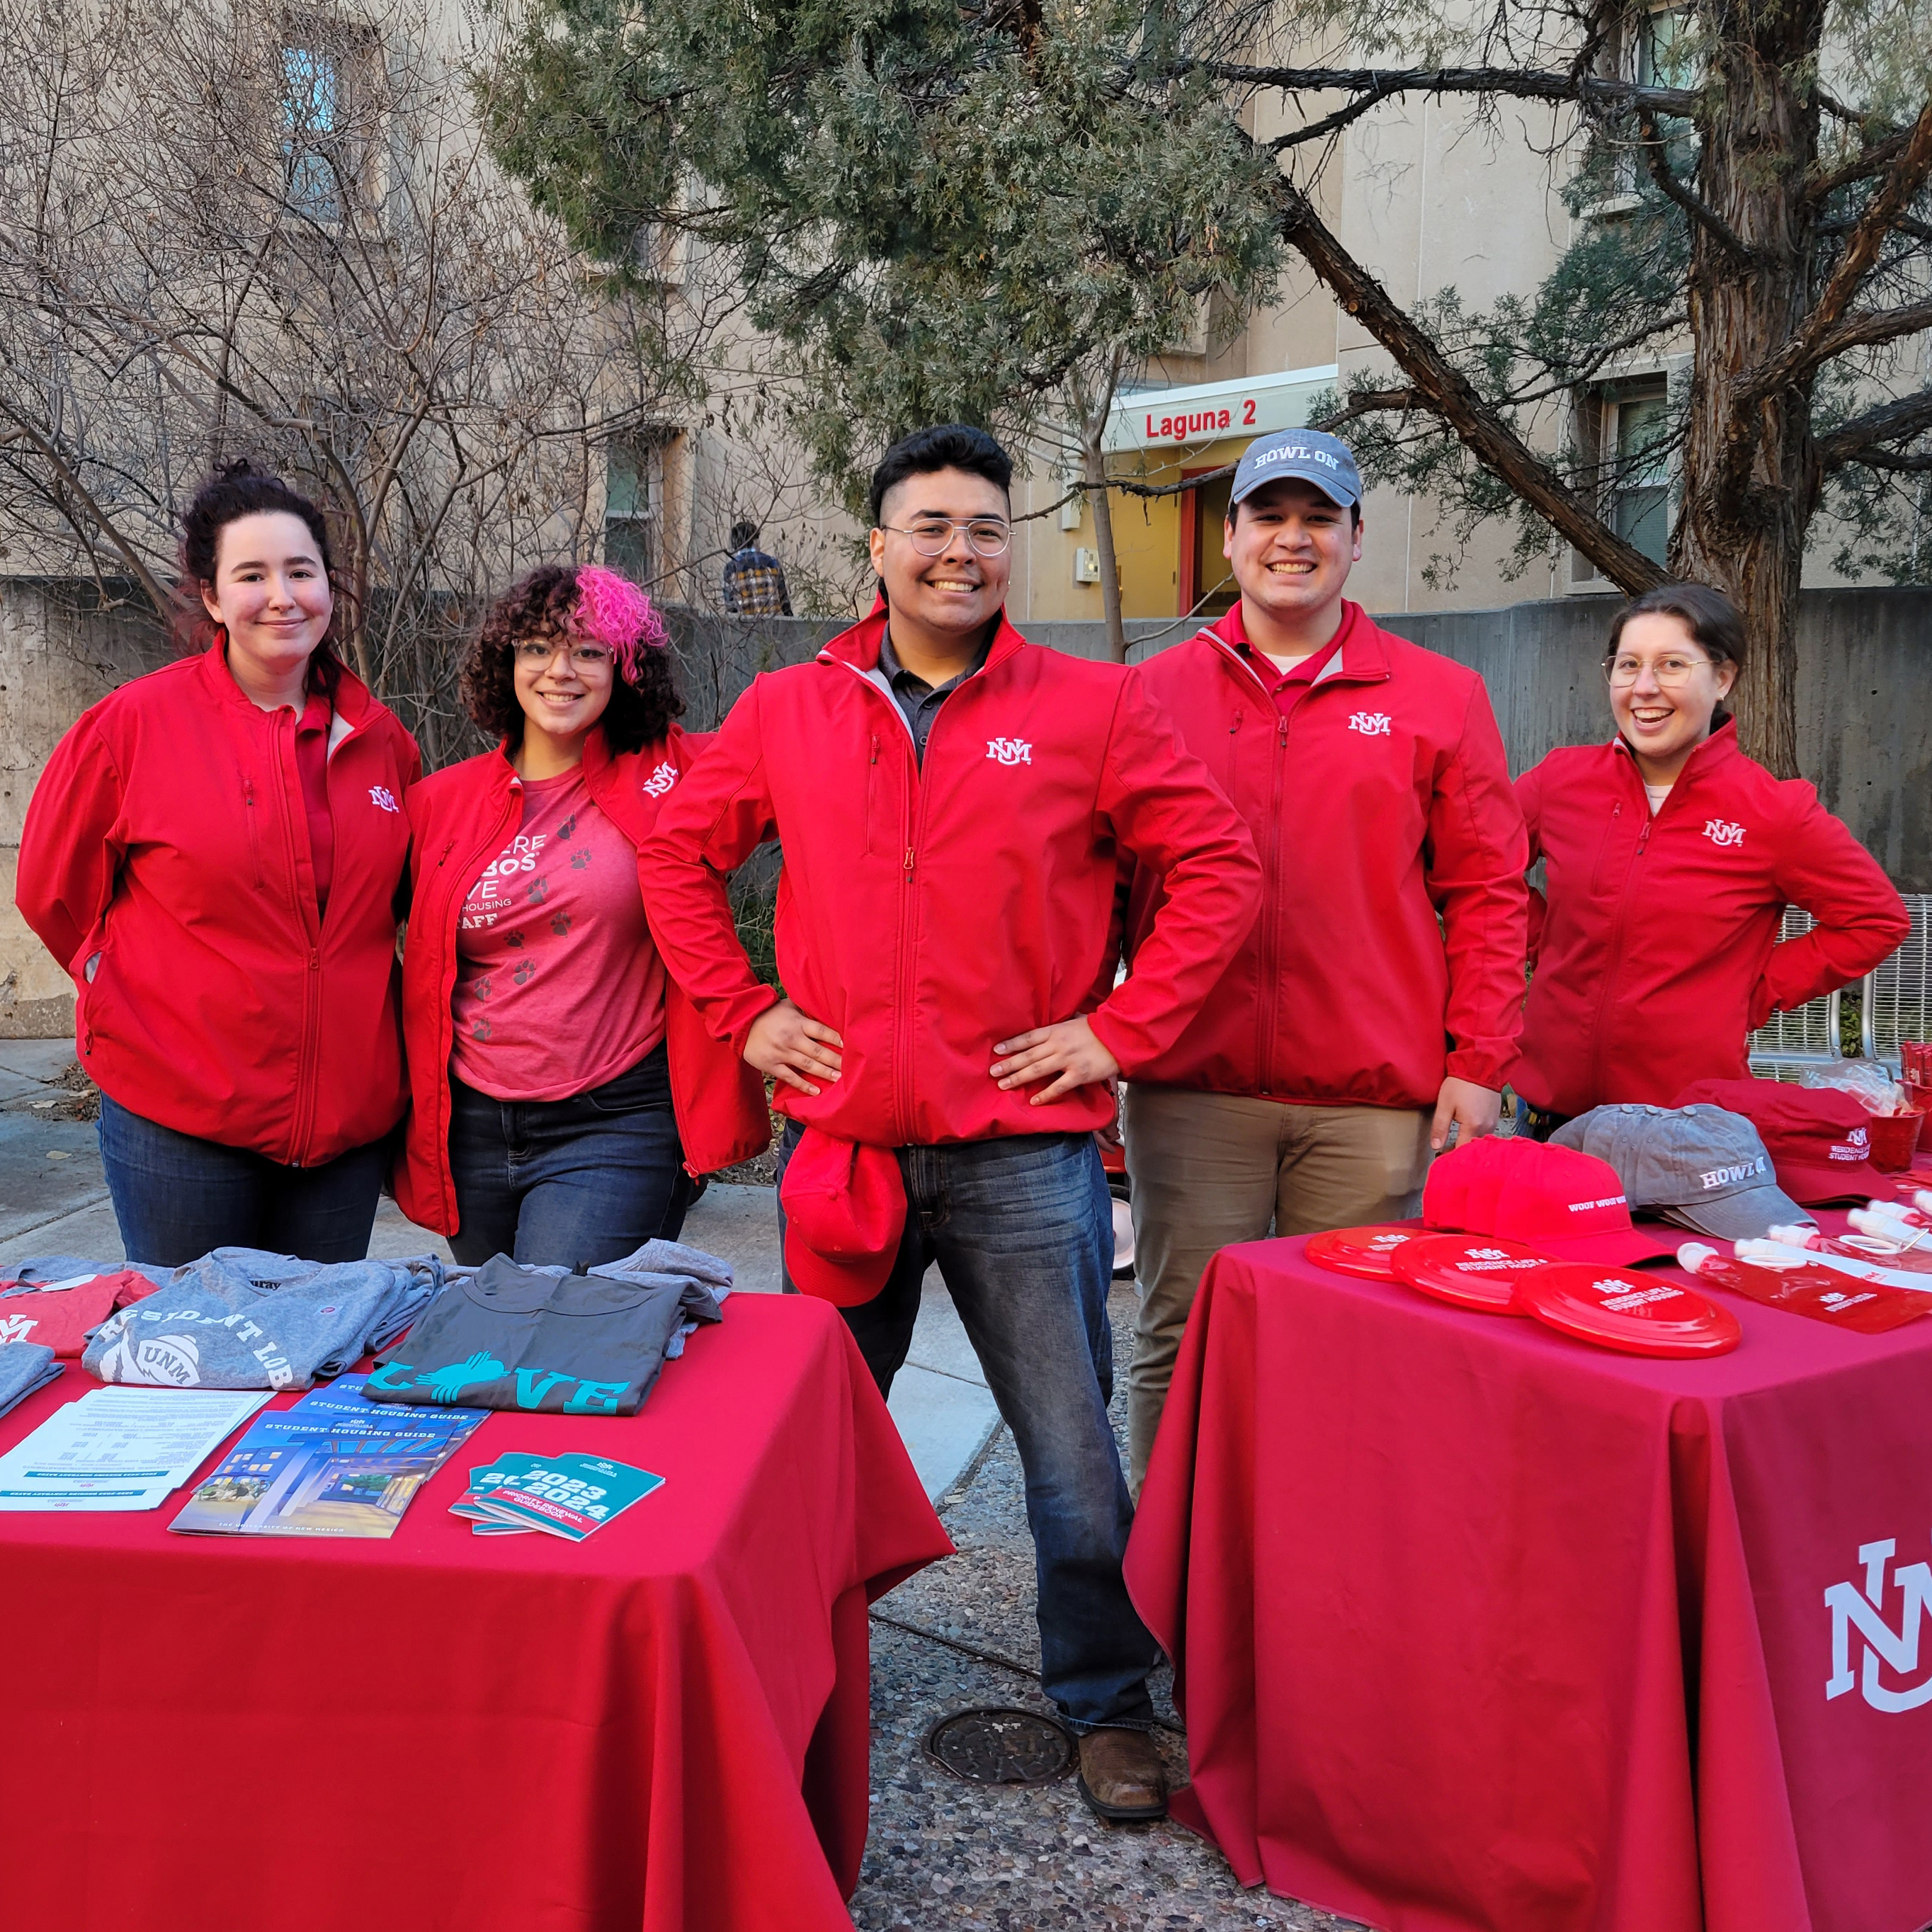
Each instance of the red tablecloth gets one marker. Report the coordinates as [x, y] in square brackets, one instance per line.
[1480, 1627]
[664, 1727]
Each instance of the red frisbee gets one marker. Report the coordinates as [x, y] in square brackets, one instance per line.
[1639, 1314]
[1362, 1251]
[1481, 1271]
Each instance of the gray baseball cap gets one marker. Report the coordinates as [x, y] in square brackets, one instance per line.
[1701, 1167]
[1326, 461]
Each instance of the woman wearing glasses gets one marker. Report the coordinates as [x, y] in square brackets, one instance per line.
[1670, 859]
[561, 1085]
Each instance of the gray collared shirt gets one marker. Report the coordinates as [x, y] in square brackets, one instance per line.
[918, 701]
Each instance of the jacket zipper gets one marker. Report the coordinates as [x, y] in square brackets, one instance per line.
[254, 824]
[309, 1051]
[1270, 1000]
[1599, 1045]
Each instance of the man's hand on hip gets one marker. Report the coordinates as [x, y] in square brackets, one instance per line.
[1069, 1050]
[784, 1045]
[1472, 1111]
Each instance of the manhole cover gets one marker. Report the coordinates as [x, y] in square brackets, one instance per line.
[1000, 1746]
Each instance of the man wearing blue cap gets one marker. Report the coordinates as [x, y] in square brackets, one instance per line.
[1373, 1010]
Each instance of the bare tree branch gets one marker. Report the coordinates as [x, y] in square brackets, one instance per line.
[1369, 401]
[1443, 387]
[1857, 441]
[1515, 83]
[1656, 159]
[1808, 351]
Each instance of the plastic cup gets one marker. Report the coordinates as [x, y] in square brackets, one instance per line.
[1894, 1139]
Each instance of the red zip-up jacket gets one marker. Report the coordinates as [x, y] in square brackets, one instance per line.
[925, 914]
[463, 815]
[1381, 804]
[1658, 951]
[165, 863]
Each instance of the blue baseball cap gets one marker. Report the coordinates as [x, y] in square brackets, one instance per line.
[1326, 461]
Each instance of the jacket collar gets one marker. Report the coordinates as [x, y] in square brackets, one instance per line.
[1718, 750]
[1361, 658]
[858, 649]
[352, 700]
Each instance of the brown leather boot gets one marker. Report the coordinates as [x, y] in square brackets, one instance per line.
[1122, 1777]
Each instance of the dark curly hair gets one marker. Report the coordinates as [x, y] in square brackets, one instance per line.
[236, 491]
[543, 604]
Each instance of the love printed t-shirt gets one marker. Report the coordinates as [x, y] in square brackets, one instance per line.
[559, 988]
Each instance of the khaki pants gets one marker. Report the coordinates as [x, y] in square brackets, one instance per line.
[1211, 1168]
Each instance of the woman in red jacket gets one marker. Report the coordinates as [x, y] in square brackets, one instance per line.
[1671, 857]
[215, 853]
[562, 1085]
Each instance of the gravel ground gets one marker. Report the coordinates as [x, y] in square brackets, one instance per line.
[945, 1851]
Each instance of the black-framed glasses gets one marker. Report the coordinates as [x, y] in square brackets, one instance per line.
[986, 536]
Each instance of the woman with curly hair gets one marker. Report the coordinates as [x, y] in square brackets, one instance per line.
[561, 1084]
[215, 852]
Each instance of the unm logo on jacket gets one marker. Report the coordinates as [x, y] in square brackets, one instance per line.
[1009, 751]
[1722, 832]
[1370, 724]
[661, 780]
[1884, 1648]
[382, 796]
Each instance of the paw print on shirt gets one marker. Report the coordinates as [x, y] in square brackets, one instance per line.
[581, 858]
[515, 939]
[480, 1031]
[480, 988]
[539, 890]
[568, 829]
[525, 972]
[560, 923]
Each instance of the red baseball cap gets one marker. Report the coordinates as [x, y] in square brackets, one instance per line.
[1568, 1205]
[845, 1211]
[1816, 1136]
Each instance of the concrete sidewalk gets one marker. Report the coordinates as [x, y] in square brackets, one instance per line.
[53, 1200]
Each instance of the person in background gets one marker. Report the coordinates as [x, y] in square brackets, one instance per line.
[950, 800]
[1372, 1012]
[561, 1084]
[215, 852]
[1670, 858]
[754, 582]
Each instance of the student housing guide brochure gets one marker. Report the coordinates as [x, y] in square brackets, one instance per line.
[334, 1464]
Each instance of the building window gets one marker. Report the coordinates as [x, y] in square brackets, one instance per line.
[633, 508]
[1624, 435]
[327, 81]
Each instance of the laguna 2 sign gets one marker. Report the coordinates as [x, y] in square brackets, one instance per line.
[1205, 411]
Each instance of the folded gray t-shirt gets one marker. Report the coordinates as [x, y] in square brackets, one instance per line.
[533, 1339]
[24, 1367]
[241, 1317]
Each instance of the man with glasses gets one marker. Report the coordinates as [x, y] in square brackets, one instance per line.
[952, 801]
[1372, 1012]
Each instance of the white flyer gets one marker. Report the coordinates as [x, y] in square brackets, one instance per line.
[121, 1448]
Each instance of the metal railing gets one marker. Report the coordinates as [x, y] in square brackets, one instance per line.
[1898, 997]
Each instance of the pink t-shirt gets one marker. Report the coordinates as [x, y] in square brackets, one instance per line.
[558, 986]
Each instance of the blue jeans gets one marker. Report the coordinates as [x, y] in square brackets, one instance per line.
[177, 1197]
[570, 1182]
[1022, 1228]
